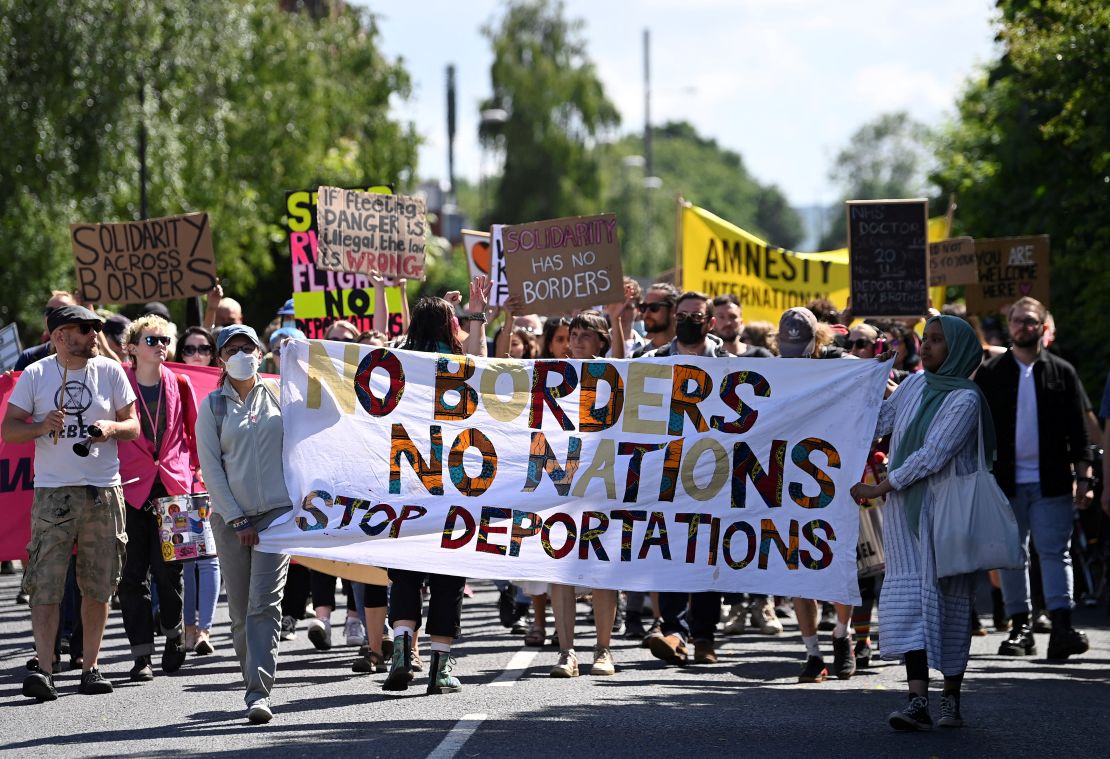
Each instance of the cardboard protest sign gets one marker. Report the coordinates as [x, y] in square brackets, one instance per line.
[888, 257]
[368, 231]
[141, 261]
[1009, 268]
[479, 256]
[952, 262]
[10, 347]
[562, 265]
[322, 297]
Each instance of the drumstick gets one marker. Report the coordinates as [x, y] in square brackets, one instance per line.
[62, 395]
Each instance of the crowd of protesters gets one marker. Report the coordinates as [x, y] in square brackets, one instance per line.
[103, 381]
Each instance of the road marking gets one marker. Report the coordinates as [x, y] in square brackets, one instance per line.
[459, 734]
[516, 667]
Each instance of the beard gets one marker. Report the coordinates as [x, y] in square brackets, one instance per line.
[1027, 341]
[654, 328]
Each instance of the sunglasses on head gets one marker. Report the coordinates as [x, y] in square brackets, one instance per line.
[153, 340]
[231, 350]
[860, 343]
[192, 350]
[653, 307]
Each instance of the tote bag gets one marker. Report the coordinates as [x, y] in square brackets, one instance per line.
[974, 527]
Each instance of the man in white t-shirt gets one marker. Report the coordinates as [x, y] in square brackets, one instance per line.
[72, 403]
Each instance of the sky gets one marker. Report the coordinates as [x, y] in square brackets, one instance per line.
[783, 82]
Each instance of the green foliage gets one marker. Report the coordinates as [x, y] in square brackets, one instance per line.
[242, 102]
[888, 157]
[1028, 154]
[705, 174]
[543, 78]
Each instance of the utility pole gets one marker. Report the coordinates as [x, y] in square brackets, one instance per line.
[451, 131]
[647, 104]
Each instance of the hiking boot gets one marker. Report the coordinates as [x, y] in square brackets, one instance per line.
[1065, 642]
[400, 665]
[704, 653]
[950, 711]
[288, 629]
[844, 662]
[40, 686]
[766, 618]
[814, 671]
[368, 662]
[415, 660]
[914, 716]
[668, 648]
[442, 681]
[736, 621]
[1020, 642]
[142, 671]
[93, 683]
[354, 632]
[863, 654]
[319, 632]
[173, 655]
[259, 712]
[603, 662]
[567, 666]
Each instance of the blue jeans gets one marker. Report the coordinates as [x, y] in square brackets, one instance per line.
[1050, 522]
[208, 586]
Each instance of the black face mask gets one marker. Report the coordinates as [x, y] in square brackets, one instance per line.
[689, 333]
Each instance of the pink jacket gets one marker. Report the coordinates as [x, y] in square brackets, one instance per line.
[177, 461]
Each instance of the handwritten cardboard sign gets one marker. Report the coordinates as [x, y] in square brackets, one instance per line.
[952, 262]
[562, 265]
[141, 261]
[1009, 268]
[888, 257]
[365, 231]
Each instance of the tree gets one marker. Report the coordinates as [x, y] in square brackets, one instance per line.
[705, 174]
[888, 157]
[1027, 155]
[242, 102]
[556, 105]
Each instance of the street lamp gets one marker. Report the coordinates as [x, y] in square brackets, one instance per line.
[490, 125]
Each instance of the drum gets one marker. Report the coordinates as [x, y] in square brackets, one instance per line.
[183, 527]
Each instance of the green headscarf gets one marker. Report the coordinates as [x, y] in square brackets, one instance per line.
[965, 353]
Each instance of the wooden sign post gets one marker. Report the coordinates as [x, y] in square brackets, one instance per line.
[889, 257]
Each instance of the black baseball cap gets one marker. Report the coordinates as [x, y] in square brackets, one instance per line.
[64, 315]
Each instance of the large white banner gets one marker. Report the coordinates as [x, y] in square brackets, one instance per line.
[679, 474]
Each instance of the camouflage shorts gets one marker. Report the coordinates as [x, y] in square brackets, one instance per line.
[93, 519]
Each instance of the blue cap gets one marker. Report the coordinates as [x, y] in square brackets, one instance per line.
[290, 332]
[287, 309]
[232, 330]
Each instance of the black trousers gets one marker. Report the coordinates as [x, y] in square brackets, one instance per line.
[301, 582]
[144, 561]
[444, 607]
[690, 614]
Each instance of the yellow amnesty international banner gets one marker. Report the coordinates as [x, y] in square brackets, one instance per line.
[719, 257]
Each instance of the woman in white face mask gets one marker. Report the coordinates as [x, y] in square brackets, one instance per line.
[239, 439]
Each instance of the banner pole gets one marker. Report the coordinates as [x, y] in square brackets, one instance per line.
[679, 275]
[951, 212]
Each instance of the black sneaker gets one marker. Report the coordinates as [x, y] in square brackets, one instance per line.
[814, 671]
[863, 654]
[1067, 642]
[950, 712]
[506, 607]
[93, 684]
[173, 656]
[913, 717]
[844, 662]
[39, 686]
[1020, 643]
[141, 672]
[828, 618]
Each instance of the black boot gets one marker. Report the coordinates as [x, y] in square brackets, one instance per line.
[1021, 641]
[998, 610]
[1065, 640]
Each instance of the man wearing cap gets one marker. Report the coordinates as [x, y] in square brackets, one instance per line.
[74, 396]
[58, 298]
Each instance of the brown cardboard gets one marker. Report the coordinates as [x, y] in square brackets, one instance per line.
[366, 231]
[953, 262]
[1009, 268]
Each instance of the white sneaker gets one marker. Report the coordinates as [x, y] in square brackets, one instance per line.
[765, 618]
[567, 665]
[288, 629]
[259, 712]
[319, 632]
[354, 631]
[603, 662]
[736, 621]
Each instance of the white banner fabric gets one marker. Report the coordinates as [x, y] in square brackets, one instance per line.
[677, 474]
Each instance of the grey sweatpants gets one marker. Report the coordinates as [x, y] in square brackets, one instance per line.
[254, 581]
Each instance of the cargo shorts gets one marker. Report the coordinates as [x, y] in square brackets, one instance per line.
[92, 518]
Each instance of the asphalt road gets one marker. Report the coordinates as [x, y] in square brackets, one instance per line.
[748, 704]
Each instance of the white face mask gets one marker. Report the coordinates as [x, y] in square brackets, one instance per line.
[242, 366]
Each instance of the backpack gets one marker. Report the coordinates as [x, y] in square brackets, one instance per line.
[217, 402]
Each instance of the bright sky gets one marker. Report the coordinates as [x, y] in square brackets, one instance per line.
[783, 82]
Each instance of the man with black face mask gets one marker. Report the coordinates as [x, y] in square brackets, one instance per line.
[693, 325]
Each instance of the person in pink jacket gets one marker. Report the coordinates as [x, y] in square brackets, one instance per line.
[161, 462]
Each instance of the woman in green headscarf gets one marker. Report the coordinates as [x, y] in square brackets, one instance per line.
[935, 418]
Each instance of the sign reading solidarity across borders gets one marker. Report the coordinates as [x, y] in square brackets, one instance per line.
[686, 473]
[367, 231]
[141, 261]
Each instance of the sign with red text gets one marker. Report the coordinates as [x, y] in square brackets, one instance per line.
[677, 474]
[141, 261]
[369, 231]
[563, 265]
[1009, 268]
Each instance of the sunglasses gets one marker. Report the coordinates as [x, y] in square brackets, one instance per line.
[1028, 322]
[653, 307]
[192, 350]
[153, 340]
[87, 327]
[232, 350]
[860, 343]
[692, 318]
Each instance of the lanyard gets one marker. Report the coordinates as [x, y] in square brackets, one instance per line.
[157, 416]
